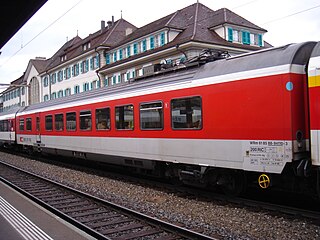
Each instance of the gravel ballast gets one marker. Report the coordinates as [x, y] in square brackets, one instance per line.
[213, 218]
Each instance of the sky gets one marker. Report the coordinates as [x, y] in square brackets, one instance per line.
[287, 21]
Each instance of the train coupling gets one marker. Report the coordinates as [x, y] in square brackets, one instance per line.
[264, 181]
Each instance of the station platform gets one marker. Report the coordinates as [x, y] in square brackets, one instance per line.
[20, 219]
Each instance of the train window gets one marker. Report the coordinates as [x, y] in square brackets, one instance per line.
[58, 122]
[1, 126]
[151, 116]
[71, 121]
[186, 113]
[103, 119]
[21, 124]
[124, 117]
[49, 124]
[28, 124]
[6, 126]
[85, 120]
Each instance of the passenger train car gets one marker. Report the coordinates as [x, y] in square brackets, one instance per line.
[252, 118]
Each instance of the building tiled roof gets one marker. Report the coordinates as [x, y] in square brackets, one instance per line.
[13, 84]
[39, 64]
[224, 15]
[108, 37]
[195, 22]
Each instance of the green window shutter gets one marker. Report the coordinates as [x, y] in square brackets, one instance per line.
[128, 51]
[230, 34]
[87, 65]
[98, 60]
[120, 54]
[246, 37]
[162, 39]
[151, 42]
[135, 48]
[260, 40]
[108, 58]
[91, 63]
[144, 45]
[81, 67]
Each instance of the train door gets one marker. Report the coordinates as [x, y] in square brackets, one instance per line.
[38, 128]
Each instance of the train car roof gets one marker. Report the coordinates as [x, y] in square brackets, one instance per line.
[10, 113]
[269, 61]
[316, 51]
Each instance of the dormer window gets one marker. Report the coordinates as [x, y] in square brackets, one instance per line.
[86, 46]
[63, 58]
[244, 37]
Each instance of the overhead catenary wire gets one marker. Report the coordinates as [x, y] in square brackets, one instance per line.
[22, 47]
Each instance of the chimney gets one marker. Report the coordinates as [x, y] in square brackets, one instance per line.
[103, 25]
[109, 24]
[112, 20]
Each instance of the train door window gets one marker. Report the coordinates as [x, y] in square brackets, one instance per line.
[21, 124]
[103, 119]
[85, 120]
[28, 124]
[49, 125]
[186, 113]
[124, 117]
[71, 121]
[38, 123]
[6, 127]
[58, 122]
[151, 116]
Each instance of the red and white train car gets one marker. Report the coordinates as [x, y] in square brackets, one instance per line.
[227, 122]
[7, 127]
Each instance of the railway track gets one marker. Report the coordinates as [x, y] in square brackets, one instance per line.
[97, 217]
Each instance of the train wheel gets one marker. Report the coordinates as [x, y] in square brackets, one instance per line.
[233, 183]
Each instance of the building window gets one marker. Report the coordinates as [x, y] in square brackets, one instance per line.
[129, 51]
[53, 95]
[48, 121]
[186, 113]
[60, 94]
[85, 120]
[67, 92]
[68, 71]
[124, 117]
[71, 121]
[151, 116]
[46, 98]
[106, 81]
[86, 87]
[45, 81]
[76, 89]
[53, 78]
[97, 62]
[60, 76]
[151, 42]
[58, 122]
[114, 56]
[103, 119]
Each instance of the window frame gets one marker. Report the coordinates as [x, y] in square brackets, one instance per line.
[46, 121]
[75, 119]
[187, 128]
[108, 124]
[123, 128]
[21, 126]
[55, 122]
[152, 108]
[85, 112]
[28, 124]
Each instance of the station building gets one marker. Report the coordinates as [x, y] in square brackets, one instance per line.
[119, 52]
